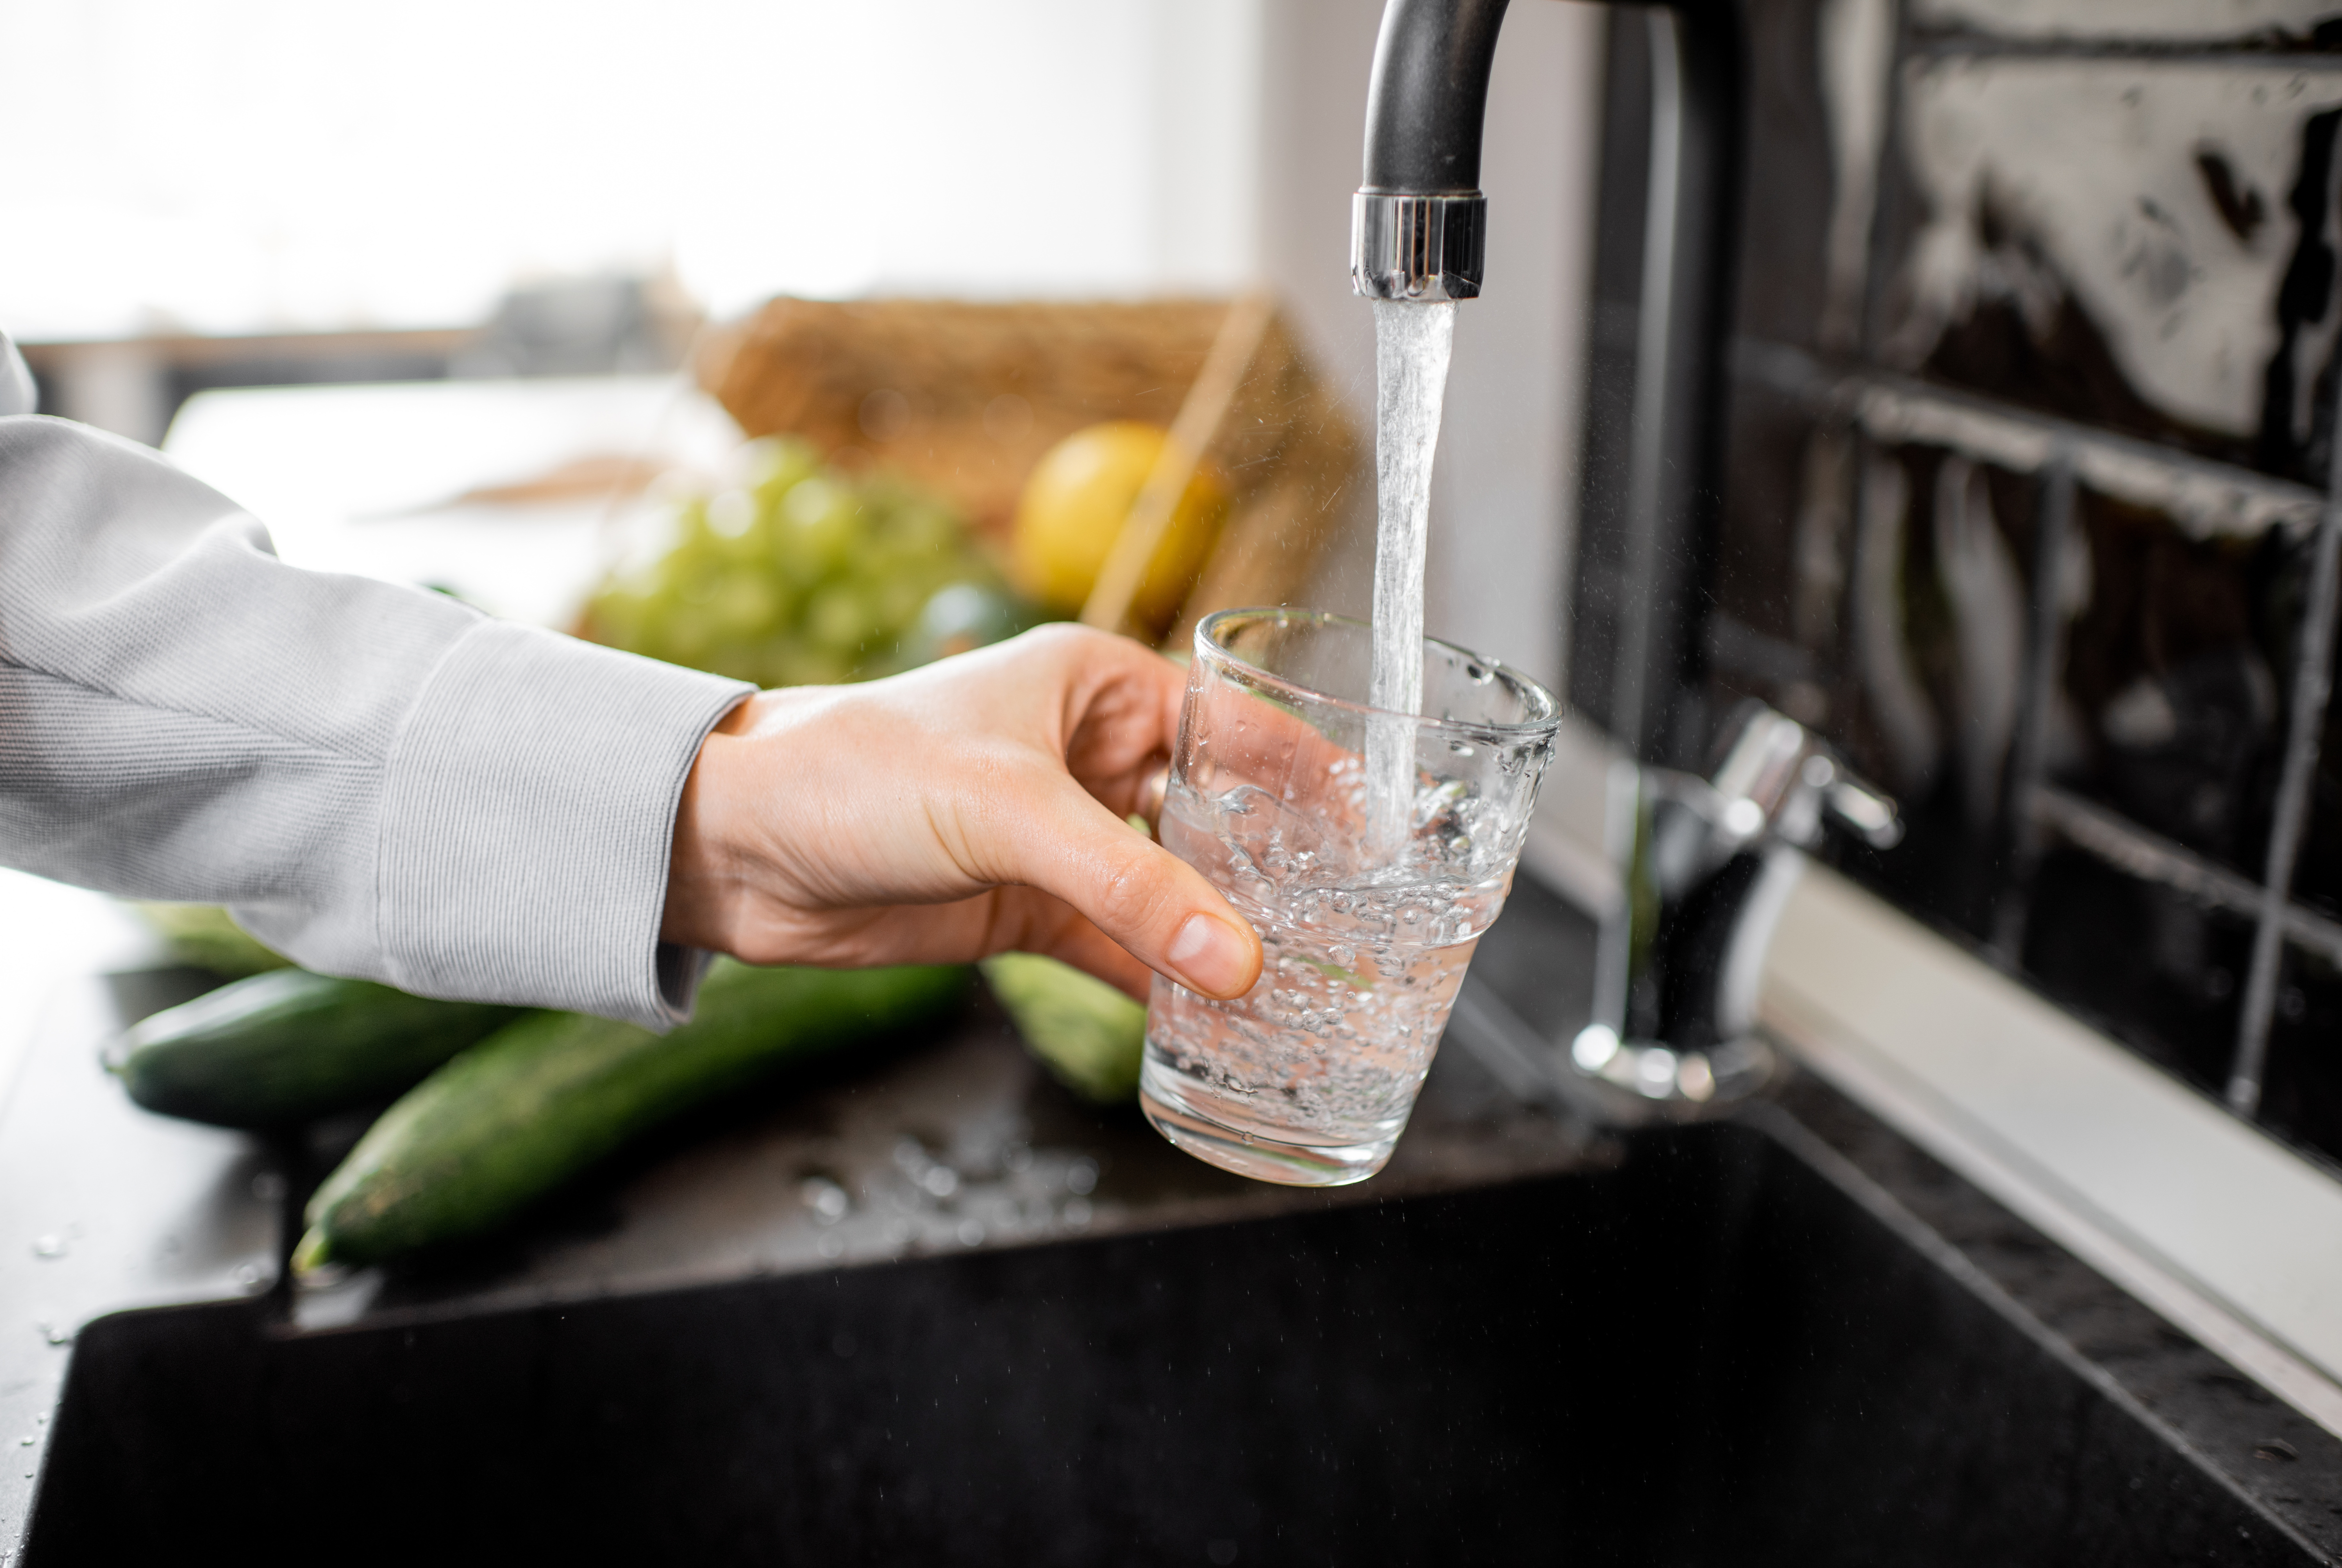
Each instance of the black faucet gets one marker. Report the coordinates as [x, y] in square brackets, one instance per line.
[1417, 221]
[1419, 232]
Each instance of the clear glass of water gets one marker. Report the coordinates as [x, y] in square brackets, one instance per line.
[1368, 911]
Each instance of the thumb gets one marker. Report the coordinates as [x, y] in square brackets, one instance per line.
[1157, 907]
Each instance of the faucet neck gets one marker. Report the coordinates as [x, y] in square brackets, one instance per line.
[1418, 224]
[1428, 95]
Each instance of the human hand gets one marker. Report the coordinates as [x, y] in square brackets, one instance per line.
[968, 808]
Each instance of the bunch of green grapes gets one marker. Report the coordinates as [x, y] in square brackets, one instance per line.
[807, 575]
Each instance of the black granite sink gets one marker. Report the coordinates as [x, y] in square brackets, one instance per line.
[1722, 1349]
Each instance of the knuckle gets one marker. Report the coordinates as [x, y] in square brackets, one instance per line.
[1129, 897]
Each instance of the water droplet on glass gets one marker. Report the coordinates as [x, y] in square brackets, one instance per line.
[1081, 1177]
[971, 1234]
[939, 1181]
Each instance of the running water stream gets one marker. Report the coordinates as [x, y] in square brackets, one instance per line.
[1412, 342]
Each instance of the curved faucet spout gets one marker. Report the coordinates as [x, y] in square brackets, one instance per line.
[1428, 95]
[1418, 224]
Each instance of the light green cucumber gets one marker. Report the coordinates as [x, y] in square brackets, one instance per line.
[534, 1105]
[1087, 1033]
[203, 935]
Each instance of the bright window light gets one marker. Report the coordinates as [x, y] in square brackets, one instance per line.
[247, 166]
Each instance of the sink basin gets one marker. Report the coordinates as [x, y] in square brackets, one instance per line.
[1721, 1348]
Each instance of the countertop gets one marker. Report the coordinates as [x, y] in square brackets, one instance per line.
[952, 1143]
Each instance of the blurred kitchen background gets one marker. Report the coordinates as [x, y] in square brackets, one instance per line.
[2030, 407]
[256, 194]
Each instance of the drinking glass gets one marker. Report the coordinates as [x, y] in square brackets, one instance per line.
[1367, 922]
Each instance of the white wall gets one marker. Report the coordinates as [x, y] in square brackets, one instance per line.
[1505, 491]
[233, 165]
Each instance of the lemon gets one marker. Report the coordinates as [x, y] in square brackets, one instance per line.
[1074, 504]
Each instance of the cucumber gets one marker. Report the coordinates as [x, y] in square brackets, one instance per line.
[1087, 1033]
[524, 1110]
[289, 1046]
[203, 935]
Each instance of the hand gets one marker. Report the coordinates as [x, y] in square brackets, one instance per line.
[968, 808]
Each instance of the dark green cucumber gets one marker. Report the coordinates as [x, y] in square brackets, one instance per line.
[532, 1105]
[289, 1046]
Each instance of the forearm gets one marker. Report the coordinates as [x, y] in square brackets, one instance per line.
[379, 781]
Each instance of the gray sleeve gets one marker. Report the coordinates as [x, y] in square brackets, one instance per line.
[17, 392]
[378, 781]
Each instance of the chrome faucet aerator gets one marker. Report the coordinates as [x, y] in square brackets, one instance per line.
[1418, 224]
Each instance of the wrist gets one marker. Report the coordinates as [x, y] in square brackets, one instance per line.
[709, 863]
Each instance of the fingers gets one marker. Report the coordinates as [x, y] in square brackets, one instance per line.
[1158, 907]
[1031, 921]
[1152, 791]
[1119, 711]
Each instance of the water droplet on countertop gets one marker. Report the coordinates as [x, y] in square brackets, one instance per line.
[48, 1247]
[828, 1200]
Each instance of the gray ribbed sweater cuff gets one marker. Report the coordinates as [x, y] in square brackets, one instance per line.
[527, 816]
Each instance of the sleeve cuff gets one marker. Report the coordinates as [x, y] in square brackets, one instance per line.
[528, 816]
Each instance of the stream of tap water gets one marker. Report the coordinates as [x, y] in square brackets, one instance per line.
[1413, 343]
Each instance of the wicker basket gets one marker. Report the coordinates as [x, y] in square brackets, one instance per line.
[964, 397]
